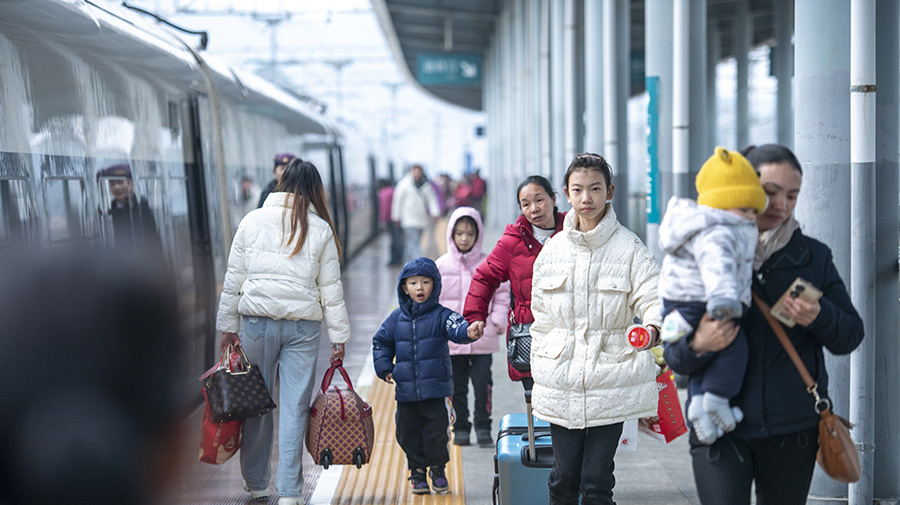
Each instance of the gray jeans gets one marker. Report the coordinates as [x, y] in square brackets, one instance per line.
[288, 349]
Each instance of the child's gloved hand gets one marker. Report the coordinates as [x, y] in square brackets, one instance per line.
[389, 378]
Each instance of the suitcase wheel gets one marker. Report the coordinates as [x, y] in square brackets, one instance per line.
[359, 457]
[326, 458]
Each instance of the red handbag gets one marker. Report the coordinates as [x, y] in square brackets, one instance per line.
[669, 421]
[219, 441]
[341, 430]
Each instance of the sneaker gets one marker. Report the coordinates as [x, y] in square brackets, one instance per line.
[286, 500]
[262, 495]
[461, 438]
[439, 480]
[418, 483]
[484, 438]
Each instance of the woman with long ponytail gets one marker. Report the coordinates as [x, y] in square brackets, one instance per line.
[283, 279]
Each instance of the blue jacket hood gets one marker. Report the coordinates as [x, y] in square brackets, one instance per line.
[419, 266]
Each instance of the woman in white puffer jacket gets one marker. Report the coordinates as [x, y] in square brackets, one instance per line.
[590, 281]
[283, 278]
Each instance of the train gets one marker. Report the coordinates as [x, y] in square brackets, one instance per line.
[95, 96]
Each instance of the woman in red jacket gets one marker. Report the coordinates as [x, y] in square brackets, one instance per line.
[512, 260]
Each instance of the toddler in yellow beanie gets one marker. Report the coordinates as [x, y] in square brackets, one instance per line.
[708, 267]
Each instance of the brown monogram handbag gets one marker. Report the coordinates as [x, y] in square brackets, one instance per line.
[837, 454]
[237, 392]
[341, 429]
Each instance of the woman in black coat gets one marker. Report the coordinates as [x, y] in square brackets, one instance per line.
[775, 445]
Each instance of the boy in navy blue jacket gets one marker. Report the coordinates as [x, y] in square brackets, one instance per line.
[416, 334]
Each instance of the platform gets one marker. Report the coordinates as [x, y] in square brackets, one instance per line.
[655, 473]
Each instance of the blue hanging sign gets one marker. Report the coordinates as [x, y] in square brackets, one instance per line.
[652, 181]
[449, 69]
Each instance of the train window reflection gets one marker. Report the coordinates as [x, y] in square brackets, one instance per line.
[180, 230]
[128, 221]
[64, 200]
[15, 212]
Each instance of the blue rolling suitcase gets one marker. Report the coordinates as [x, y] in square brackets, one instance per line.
[520, 479]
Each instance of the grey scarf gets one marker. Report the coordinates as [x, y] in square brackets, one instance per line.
[773, 240]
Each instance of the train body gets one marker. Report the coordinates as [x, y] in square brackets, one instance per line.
[89, 85]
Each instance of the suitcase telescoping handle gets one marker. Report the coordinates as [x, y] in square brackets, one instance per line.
[532, 455]
[335, 365]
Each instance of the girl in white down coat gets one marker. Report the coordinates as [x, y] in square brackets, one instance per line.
[283, 278]
[590, 281]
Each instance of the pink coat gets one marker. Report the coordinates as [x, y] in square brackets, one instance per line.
[457, 270]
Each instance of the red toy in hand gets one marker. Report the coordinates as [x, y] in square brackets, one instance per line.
[639, 336]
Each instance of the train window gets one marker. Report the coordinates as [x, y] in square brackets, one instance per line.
[64, 200]
[16, 212]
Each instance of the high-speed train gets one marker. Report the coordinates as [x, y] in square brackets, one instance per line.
[86, 85]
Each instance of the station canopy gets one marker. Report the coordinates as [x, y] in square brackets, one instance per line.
[442, 44]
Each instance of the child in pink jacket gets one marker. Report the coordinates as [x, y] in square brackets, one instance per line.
[465, 233]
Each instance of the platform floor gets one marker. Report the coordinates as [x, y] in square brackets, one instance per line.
[655, 473]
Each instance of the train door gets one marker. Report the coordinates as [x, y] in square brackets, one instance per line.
[192, 248]
[373, 193]
[338, 197]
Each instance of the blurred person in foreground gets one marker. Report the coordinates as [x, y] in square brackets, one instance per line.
[91, 401]
[283, 278]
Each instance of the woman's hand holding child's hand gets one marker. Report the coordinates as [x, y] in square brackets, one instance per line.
[476, 330]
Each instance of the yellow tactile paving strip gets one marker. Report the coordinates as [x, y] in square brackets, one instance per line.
[383, 480]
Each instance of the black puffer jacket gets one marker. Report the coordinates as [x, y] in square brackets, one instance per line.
[773, 397]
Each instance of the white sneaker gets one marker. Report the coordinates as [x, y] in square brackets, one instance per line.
[262, 495]
[286, 500]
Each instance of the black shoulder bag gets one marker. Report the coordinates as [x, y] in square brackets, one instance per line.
[518, 346]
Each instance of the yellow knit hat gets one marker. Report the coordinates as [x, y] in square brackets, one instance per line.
[727, 181]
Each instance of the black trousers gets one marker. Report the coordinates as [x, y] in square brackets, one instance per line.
[396, 243]
[782, 467]
[477, 368]
[583, 463]
[422, 432]
[724, 375]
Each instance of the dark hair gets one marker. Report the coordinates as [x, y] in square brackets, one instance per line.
[468, 220]
[301, 179]
[770, 153]
[591, 162]
[538, 180]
